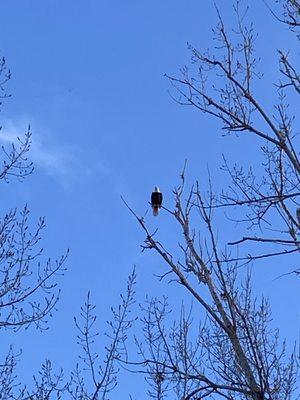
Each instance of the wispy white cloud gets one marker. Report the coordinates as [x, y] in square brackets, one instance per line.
[51, 157]
[66, 163]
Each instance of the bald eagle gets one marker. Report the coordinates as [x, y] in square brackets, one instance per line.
[156, 200]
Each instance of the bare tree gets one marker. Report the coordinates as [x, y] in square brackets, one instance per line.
[28, 285]
[224, 88]
[235, 353]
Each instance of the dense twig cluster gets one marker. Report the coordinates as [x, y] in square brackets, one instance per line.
[94, 379]
[26, 285]
[290, 14]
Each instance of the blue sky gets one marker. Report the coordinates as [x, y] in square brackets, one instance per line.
[89, 78]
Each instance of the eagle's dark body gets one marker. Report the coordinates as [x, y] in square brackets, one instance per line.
[156, 200]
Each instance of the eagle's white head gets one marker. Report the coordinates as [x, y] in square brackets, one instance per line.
[156, 189]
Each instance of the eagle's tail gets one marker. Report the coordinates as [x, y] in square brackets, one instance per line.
[155, 211]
